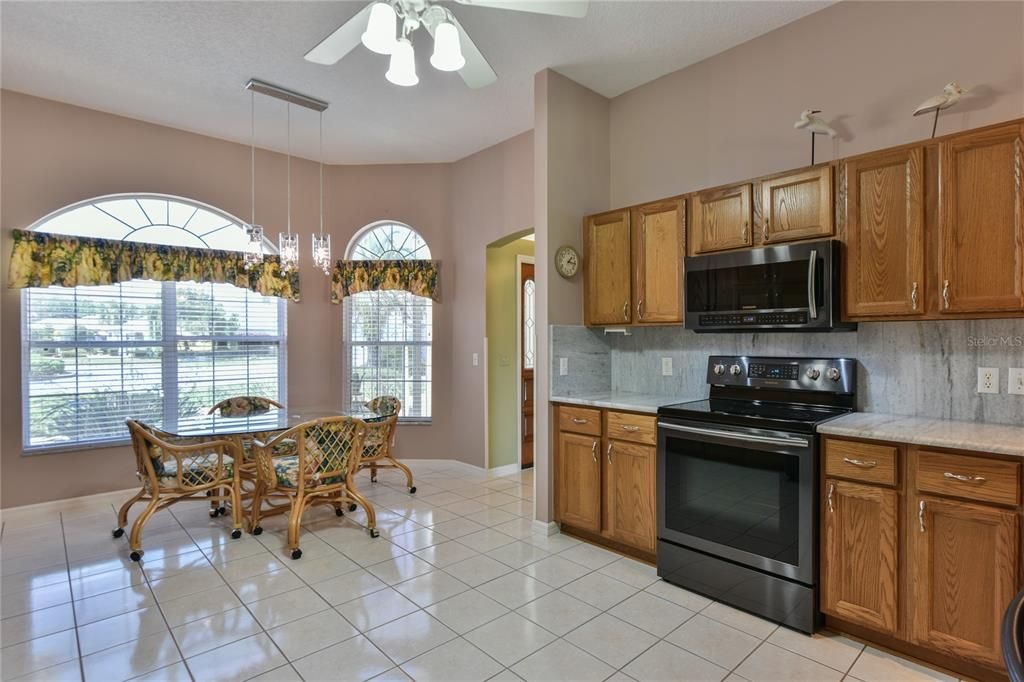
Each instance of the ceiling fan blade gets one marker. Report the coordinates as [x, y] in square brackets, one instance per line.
[559, 8]
[342, 41]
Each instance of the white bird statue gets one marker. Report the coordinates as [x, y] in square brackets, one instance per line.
[951, 94]
[813, 123]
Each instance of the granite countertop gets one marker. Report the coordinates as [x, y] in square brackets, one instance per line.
[1000, 439]
[630, 402]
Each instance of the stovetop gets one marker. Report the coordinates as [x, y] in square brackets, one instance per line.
[754, 413]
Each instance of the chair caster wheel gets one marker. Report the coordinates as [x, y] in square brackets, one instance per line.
[136, 556]
[221, 511]
[352, 507]
[374, 533]
[373, 479]
[412, 490]
[236, 533]
[296, 553]
[258, 530]
[338, 511]
[118, 532]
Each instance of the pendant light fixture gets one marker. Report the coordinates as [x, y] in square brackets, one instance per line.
[322, 242]
[447, 50]
[288, 244]
[379, 35]
[402, 69]
[254, 245]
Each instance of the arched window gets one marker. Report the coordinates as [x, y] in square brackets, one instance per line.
[388, 333]
[159, 351]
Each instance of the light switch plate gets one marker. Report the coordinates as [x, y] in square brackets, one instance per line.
[988, 380]
[666, 367]
[563, 366]
[476, 359]
[1016, 377]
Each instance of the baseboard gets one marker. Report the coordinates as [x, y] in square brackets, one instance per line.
[65, 502]
[504, 470]
[545, 527]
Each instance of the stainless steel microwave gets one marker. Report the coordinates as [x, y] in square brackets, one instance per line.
[790, 287]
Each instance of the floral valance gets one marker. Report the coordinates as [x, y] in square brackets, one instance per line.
[418, 277]
[40, 259]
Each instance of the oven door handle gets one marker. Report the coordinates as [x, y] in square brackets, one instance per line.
[812, 294]
[733, 435]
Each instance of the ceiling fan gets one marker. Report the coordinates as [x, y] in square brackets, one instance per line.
[377, 27]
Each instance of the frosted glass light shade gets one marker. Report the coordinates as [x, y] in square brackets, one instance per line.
[447, 50]
[402, 70]
[379, 35]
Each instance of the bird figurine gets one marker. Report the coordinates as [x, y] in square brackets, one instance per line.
[951, 94]
[815, 124]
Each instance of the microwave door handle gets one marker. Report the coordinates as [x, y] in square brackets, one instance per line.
[812, 297]
[737, 436]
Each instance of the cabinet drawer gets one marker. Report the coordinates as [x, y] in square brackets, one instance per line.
[639, 428]
[974, 478]
[579, 420]
[868, 462]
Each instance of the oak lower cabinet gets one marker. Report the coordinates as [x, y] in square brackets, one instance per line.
[607, 269]
[923, 548]
[605, 482]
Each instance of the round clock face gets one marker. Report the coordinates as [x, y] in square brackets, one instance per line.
[567, 261]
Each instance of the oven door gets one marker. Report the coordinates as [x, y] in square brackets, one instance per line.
[746, 495]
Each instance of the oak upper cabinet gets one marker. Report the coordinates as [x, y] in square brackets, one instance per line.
[797, 206]
[963, 570]
[629, 493]
[981, 221]
[721, 219]
[860, 527]
[608, 269]
[658, 253]
[884, 215]
[579, 480]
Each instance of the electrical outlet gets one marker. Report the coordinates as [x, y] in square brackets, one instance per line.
[666, 367]
[563, 366]
[988, 380]
[476, 359]
[1016, 376]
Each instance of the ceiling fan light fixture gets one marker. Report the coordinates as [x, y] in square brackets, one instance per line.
[402, 69]
[379, 35]
[447, 50]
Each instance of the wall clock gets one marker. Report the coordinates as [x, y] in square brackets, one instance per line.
[567, 261]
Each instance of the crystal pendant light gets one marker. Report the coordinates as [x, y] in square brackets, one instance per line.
[254, 245]
[322, 242]
[447, 50]
[288, 244]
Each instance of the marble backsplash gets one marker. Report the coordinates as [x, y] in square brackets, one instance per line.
[925, 369]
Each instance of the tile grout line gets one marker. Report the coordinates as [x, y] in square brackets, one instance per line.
[74, 616]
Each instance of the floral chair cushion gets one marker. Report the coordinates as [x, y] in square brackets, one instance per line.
[384, 405]
[286, 469]
[199, 470]
[243, 406]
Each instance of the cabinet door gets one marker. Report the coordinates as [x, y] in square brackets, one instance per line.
[629, 493]
[722, 219]
[963, 570]
[797, 206]
[884, 215]
[859, 554]
[658, 251]
[606, 249]
[579, 481]
[981, 222]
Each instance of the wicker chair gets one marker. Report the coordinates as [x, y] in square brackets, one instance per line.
[378, 448]
[174, 469]
[320, 472]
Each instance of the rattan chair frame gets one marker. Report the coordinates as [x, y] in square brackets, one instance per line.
[381, 455]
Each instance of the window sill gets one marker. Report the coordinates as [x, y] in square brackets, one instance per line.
[73, 447]
[415, 422]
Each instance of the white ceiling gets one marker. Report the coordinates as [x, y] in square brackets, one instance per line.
[183, 64]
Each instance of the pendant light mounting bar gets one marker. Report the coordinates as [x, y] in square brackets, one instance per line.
[276, 91]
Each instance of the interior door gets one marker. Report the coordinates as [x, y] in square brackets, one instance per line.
[528, 356]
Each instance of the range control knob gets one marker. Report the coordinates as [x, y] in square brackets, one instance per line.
[832, 373]
[718, 369]
[735, 370]
[813, 373]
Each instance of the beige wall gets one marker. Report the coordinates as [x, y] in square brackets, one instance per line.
[571, 179]
[866, 65]
[53, 154]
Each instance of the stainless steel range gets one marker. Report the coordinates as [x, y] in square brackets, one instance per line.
[738, 483]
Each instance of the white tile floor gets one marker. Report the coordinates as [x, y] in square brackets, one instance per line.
[458, 587]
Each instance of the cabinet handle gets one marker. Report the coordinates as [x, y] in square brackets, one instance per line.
[920, 514]
[609, 453]
[743, 237]
[913, 297]
[945, 294]
[578, 420]
[867, 464]
[625, 311]
[965, 478]
[764, 231]
[631, 428]
[593, 451]
[640, 310]
[831, 489]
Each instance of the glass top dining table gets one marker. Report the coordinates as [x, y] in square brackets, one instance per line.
[212, 425]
